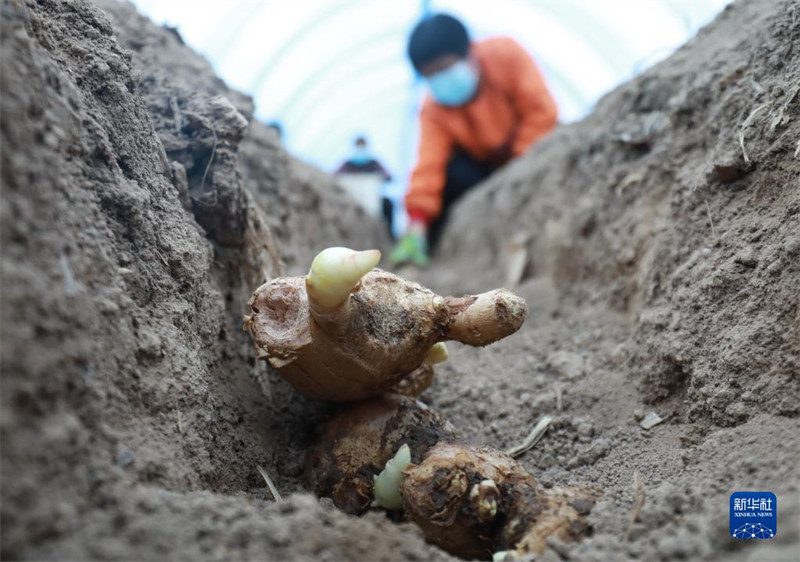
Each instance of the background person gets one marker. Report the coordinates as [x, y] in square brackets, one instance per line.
[488, 103]
[277, 129]
[363, 176]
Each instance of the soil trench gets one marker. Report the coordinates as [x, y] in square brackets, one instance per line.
[657, 243]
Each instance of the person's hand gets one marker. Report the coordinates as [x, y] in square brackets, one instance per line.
[412, 247]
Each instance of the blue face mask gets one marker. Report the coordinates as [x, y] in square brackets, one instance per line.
[455, 85]
[360, 155]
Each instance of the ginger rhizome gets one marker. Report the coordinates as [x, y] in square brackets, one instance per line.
[358, 442]
[476, 501]
[348, 331]
[470, 501]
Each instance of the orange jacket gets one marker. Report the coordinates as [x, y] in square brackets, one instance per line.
[512, 109]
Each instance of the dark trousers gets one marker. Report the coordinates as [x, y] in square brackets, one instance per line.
[387, 210]
[463, 173]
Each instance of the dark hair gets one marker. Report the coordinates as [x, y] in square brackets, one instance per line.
[435, 36]
[361, 139]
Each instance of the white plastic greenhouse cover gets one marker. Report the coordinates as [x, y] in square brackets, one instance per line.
[330, 70]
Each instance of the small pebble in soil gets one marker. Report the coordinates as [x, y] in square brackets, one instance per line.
[124, 458]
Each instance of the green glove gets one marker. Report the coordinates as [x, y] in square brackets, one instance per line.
[412, 248]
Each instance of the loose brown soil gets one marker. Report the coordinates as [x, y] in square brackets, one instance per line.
[142, 204]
